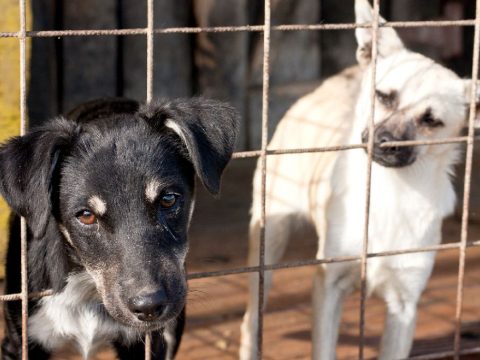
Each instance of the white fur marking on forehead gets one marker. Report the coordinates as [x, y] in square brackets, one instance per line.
[151, 190]
[98, 205]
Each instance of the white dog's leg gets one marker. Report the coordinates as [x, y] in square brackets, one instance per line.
[332, 283]
[401, 294]
[277, 232]
[399, 330]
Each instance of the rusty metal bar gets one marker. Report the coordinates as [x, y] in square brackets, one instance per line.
[23, 128]
[467, 184]
[244, 28]
[256, 153]
[150, 36]
[371, 129]
[148, 346]
[263, 162]
[33, 295]
[302, 263]
[280, 266]
[150, 43]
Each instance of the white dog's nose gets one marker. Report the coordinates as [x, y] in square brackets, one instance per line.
[384, 137]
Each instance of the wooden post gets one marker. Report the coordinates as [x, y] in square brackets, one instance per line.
[9, 95]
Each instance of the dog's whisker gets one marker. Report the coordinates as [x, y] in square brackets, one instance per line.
[170, 232]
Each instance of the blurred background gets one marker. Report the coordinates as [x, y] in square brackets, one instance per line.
[64, 71]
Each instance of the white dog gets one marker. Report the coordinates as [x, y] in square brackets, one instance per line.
[416, 99]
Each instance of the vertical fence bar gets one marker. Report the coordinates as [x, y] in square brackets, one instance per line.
[23, 129]
[263, 159]
[363, 261]
[467, 184]
[148, 346]
[150, 35]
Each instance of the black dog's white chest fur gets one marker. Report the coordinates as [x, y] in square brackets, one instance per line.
[76, 316]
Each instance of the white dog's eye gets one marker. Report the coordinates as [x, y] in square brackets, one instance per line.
[389, 100]
[428, 120]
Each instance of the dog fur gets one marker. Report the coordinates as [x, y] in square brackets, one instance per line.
[107, 192]
[411, 190]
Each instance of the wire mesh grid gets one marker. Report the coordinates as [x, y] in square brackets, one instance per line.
[150, 31]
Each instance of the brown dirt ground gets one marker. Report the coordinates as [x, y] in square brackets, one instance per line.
[215, 305]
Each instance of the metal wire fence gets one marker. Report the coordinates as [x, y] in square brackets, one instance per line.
[150, 31]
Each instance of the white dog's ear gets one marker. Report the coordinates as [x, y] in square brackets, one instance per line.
[467, 85]
[388, 40]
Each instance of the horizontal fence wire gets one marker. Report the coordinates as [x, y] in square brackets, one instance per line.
[225, 29]
[256, 153]
[150, 31]
[283, 265]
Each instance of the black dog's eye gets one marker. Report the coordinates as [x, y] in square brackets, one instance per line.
[168, 200]
[389, 100]
[429, 120]
[86, 217]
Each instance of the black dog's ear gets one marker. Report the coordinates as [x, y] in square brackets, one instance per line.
[208, 128]
[27, 165]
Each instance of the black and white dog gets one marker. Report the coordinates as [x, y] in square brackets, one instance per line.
[107, 192]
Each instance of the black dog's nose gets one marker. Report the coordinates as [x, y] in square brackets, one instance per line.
[148, 307]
